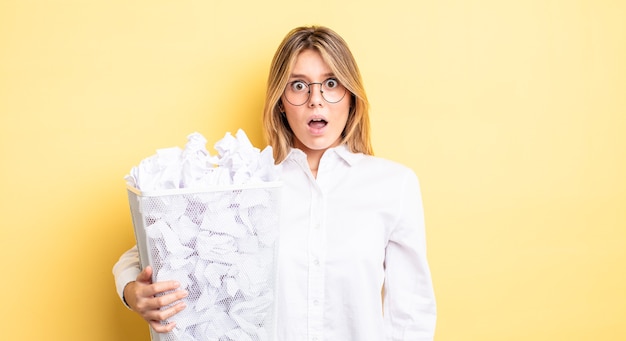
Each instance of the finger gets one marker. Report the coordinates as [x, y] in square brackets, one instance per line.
[161, 301]
[165, 314]
[160, 327]
[147, 301]
[160, 288]
[145, 276]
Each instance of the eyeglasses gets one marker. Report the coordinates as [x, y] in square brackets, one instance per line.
[298, 92]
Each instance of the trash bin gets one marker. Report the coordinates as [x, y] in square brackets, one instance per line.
[220, 244]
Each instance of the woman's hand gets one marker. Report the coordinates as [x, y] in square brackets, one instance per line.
[140, 296]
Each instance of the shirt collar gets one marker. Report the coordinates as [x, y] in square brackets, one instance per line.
[349, 157]
[341, 151]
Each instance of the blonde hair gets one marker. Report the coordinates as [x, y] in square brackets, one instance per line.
[335, 52]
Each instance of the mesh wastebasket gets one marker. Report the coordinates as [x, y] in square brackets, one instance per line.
[220, 244]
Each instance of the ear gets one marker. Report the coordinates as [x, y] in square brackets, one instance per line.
[281, 108]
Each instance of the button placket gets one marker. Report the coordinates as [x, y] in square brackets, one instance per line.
[316, 271]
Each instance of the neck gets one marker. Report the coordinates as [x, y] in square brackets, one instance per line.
[313, 158]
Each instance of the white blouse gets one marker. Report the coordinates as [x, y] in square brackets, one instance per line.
[356, 229]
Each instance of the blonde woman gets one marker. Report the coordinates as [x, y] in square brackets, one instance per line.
[351, 224]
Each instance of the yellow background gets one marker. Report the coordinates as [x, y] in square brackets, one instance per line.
[512, 113]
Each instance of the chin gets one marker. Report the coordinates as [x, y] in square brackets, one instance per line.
[321, 146]
[318, 143]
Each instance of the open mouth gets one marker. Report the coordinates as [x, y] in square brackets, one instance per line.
[317, 123]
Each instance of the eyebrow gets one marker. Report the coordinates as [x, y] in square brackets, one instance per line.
[297, 75]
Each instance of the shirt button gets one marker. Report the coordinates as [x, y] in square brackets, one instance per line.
[314, 338]
[316, 226]
[316, 262]
[316, 302]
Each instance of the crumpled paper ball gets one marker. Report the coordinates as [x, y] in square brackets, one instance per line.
[237, 162]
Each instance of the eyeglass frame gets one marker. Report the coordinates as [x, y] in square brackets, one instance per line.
[308, 85]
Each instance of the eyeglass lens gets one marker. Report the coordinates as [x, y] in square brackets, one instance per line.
[298, 92]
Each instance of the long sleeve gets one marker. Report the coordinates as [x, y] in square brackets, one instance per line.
[126, 270]
[409, 301]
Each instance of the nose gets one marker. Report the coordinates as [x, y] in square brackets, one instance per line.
[315, 96]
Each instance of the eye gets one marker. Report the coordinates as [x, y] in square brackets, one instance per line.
[298, 86]
[331, 83]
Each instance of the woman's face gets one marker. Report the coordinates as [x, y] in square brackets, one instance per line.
[318, 123]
